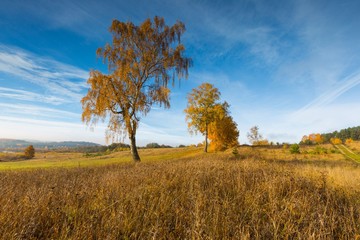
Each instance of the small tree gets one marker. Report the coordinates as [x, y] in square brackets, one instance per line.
[254, 136]
[29, 152]
[294, 148]
[202, 109]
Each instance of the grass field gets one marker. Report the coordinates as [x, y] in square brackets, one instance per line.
[61, 160]
[182, 194]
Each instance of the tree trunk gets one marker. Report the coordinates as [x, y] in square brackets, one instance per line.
[134, 152]
[206, 139]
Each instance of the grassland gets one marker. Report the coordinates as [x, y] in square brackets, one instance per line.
[182, 194]
[66, 160]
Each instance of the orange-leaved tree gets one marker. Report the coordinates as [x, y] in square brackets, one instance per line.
[336, 141]
[223, 132]
[29, 152]
[141, 61]
[202, 109]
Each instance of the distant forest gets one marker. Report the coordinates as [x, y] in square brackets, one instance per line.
[353, 133]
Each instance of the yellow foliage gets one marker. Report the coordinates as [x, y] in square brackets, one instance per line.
[223, 134]
[203, 109]
[314, 138]
[336, 141]
[141, 61]
[263, 142]
[349, 141]
[318, 138]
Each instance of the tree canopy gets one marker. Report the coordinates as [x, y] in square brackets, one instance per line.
[29, 152]
[223, 132]
[343, 134]
[205, 114]
[141, 61]
[202, 109]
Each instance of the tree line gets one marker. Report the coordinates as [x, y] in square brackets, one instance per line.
[347, 133]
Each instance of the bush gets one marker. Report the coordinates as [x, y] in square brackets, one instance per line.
[235, 152]
[29, 152]
[336, 141]
[320, 150]
[294, 148]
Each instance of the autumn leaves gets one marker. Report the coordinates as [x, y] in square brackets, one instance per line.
[205, 114]
[141, 61]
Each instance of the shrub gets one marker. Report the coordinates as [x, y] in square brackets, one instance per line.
[336, 141]
[294, 148]
[235, 152]
[320, 150]
[29, 152]
[334, 151]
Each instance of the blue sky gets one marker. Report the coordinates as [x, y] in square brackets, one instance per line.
[290, 67]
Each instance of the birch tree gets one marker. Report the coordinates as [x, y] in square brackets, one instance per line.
[141, 61]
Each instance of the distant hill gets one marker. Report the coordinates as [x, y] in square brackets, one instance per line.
[18, 144]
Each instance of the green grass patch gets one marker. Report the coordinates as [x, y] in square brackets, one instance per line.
[69, 160]
[348, 153]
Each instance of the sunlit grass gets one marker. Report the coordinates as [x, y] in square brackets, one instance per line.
[182, 194]
[262, 193]
[54, 159]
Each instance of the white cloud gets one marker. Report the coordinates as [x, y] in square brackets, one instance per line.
[43, 130]
[331, 95]
[35, 111]
[30, 96]
[58, 78]
[326, 118]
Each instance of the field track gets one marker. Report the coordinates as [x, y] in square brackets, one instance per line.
[348, 153]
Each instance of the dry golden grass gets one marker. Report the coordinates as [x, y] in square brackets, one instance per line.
[209, 196]
[355, 146]
[307, 153]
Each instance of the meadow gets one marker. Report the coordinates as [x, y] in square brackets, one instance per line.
[261, 193]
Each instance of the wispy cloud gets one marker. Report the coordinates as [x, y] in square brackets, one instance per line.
[30, 96]
[337, 90]
[323, 119]
[326, 45]
[44, 130]
[58, 78]
[28, 110]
